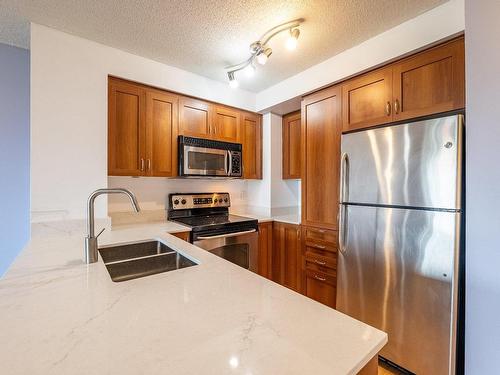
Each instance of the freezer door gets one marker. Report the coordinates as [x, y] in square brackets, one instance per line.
[397, 273]
[416, 164]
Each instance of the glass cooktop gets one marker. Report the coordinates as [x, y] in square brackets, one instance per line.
[210, 220]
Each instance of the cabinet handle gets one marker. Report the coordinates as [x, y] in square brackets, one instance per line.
[149, 164]
[319, 247]
[388, 108]
[396, 106]
[320, 262]
[319, 278]
[317, 230]
[142, 165]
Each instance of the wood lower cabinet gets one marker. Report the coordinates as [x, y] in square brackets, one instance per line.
[367, 100]
[430, 82]
[252, 145]
[321, 130]
[265, 249]
[126, 129]
[319, 264]
[286, 255]
[182, 235]
[291, 146]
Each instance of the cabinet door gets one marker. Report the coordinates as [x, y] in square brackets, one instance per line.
[321, 129]
[320, 287]
[182, 235]
[161, 133]
[226, 124]
[252, 146]
[126, 129]
[291, 145]
[265, 249]
[286, 259]
[430, 82]
[367, 100]
[194, 118]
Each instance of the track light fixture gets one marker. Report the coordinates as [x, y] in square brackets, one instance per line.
[260, 52]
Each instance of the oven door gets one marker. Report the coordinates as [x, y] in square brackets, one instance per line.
[200, 161]
[240, 248]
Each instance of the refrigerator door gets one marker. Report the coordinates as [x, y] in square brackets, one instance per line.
[397, 273]
[416, 164]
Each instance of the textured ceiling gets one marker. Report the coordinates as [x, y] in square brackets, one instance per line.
[205, 36]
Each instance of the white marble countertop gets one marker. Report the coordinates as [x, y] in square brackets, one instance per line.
[60, 316]
[293, 218]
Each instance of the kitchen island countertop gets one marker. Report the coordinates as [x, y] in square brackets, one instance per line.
[60, 316]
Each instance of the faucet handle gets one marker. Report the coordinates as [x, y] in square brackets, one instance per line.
[102, 230]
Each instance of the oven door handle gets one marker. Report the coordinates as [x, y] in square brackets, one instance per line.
[226, 235]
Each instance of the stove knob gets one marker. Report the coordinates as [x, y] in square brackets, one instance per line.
[183, 201]
[226, 200]
[215, 200]
[176, 201]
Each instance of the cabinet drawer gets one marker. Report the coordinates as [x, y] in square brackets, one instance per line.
[319, 247]
[321, 287]
[314, 234]
[320, 263]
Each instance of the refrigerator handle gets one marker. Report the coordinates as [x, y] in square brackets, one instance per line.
[344, 195]
[344, 178]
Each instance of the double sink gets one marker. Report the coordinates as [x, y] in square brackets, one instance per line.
[131, 261]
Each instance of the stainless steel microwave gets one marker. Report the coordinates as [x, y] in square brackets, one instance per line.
[199, 157]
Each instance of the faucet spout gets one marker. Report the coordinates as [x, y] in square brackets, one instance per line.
[91, 238]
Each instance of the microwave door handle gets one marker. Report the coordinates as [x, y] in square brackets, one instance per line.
[230, 163]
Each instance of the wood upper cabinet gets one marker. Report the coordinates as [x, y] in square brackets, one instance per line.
[265, 249]
[430, 82]
[367, 100]
[286, 255]
[126, 129]
[321, 129]
[161, 133]
[252, 145]
[144, 124]
[142, 130]
[291, 145]
[226, 124]
[195, 118]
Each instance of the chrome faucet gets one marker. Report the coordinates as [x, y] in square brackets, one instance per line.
[91, 238]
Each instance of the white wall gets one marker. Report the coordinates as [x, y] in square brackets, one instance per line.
[151, 192]
[425, 29]
[482, 33]
[272, 192]
[69, 115]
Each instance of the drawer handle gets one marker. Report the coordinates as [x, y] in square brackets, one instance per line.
[319, 247]
[319, 278]
[317, 230]
[320, 262]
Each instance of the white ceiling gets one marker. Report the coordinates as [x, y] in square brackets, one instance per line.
[205, 36]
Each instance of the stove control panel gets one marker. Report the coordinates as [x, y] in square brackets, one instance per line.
[201, 200]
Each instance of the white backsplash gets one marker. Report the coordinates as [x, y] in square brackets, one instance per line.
[152, 192]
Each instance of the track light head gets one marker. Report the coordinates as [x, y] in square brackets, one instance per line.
[233, 83]
[264, 55]
[291, 42]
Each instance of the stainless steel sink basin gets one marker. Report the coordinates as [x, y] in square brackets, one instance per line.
[127, 262]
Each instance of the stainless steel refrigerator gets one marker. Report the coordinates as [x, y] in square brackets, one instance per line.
[399, 230]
